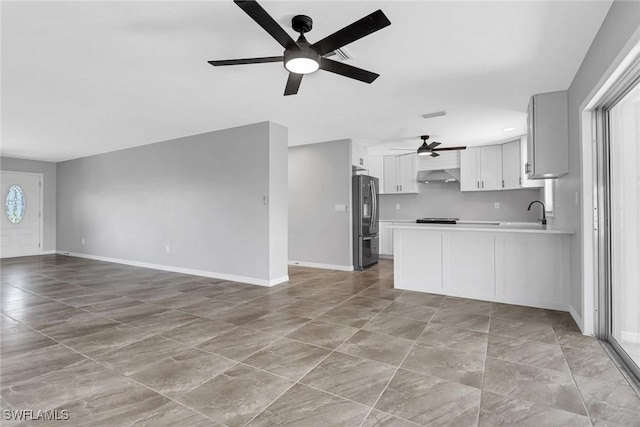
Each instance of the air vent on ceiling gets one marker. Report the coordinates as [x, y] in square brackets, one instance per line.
[342, 54]
[434, 114]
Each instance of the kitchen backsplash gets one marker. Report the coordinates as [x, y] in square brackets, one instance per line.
[446, 200]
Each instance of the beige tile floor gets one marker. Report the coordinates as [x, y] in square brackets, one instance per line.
[124, 346]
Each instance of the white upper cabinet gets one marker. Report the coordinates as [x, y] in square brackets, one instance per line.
[548, 136]
[491, 167]
[469, 164]
[481, 168]
[526, 182]
[359, 157]
[511, 177]
[400, 174]
[376, 169]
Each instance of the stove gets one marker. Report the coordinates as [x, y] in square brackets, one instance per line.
[437, 220]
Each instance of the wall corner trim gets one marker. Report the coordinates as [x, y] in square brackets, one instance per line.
[578, 319]
[203, 273]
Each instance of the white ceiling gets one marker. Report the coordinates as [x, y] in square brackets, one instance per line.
[80, 78]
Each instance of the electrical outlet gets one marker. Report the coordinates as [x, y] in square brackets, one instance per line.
[397, 206]
[496, 205]
[82, 240]
[167, 249]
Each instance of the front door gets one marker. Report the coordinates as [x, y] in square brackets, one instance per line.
[21, 214]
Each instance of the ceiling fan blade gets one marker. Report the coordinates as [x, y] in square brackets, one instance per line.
[262, 18]
[293, 84]
[434, 154]
[449, 148]
[359, 29]
[433, 145]
[247, 61]
[347, 70]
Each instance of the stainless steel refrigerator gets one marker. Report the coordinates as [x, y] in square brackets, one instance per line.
[366, 240]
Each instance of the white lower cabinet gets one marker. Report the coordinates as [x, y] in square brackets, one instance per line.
[536, 269]
[524, 268]
[386, 238]
[468, 263]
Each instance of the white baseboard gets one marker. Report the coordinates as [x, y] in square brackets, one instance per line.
[577, 318]
[204, 273]
[320, 265]
[51, 252]
[627, 336]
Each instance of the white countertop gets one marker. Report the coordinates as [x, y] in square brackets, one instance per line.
[486, 226]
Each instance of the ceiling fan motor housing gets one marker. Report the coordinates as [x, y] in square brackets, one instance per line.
[301, 24]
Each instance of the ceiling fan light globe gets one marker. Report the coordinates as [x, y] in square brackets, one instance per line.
[301, 65]
[423, 153]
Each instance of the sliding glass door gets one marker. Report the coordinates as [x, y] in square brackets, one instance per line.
[624, 223]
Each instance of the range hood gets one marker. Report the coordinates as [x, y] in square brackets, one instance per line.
[439, 176]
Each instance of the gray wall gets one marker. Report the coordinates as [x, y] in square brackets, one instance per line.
[621, 22]
[48, 170]
[278, 200]
[446, 200]
[203, 196]
[320, 178]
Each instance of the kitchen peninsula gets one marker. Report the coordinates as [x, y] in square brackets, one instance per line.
[501, 263]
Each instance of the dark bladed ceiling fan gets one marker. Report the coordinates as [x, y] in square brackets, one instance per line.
[300, 57]
[430, 149]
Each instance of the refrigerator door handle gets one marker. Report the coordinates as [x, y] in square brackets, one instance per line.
[374, 204]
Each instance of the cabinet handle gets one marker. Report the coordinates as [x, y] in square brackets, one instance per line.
[503, 183]
[520, 180]
[482, 184]
[478, 184]
[526, 167]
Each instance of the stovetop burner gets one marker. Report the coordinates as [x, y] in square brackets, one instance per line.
[437, 220]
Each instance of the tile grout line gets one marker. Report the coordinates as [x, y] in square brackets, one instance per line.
[120, 374]
[295, 383]
[396, 372]
[573, 379]
[484, 367]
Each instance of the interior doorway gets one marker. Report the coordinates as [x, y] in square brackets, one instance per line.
[21, 223]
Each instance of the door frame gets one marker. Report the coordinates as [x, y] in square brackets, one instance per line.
[589, 259]
[41, 213]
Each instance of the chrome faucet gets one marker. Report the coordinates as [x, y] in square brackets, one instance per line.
[544, 217]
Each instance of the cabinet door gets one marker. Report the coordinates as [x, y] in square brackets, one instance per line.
[511, 165]
[376, 170]
[491, 167]
[469, 159]
[548, 135]
[407, 177]
[386, 238]
[390, 172]
[524, 153]
[358, 156]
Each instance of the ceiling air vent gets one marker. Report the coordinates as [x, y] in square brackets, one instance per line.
[341, 54]
[434, 114]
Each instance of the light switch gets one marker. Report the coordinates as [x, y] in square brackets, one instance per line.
[397, 206]
[496, 205]
[340, 208]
